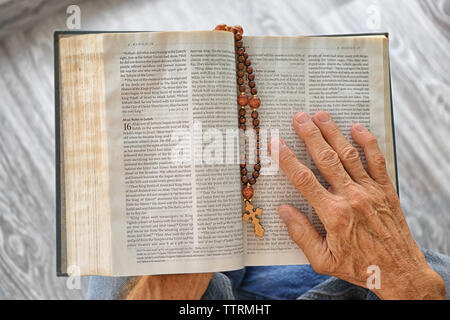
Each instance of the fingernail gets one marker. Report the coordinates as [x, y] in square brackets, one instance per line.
[301, 117]
[359, 127]
[284, 214]
[323, 116]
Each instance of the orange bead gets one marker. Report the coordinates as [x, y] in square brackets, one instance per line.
[243, 100]
[221, 27]
[255, 102]
[247, 192]
[239, 28]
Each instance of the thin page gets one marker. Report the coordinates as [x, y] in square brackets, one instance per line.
[343, 75]
[175, 202]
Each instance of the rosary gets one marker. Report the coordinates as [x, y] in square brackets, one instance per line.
[243, 65]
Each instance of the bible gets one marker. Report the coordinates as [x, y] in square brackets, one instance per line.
[147, 143]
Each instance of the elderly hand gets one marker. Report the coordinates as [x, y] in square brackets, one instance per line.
[360, 212]
[169, 287]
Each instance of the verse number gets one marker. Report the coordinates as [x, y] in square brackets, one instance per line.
[126, 126]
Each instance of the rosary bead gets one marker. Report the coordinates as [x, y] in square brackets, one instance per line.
[241, 59]
[232, 29]
[257, 167]
[254, 114]
[248, 62]
[238, 36]
[249, 70]
[241, 51]
[256, 130]
[240, 81]
[255, 102]
[242, 165]
[241, 88]
[255, 122]
[239, 43]
[251, 84]
[242, 112]
[245, 54]
[255, 174]
[244, 179]
[243, 100]
[241, 66]
[257, 152]
[239, 29]
[242, 120]
[242, 127]
[253, 91]
[252, 180]
[240, 73]
[221, 27]
[243, 171]
[247, 192]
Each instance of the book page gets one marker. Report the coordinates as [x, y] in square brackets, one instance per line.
[175, 203]
[346, 76]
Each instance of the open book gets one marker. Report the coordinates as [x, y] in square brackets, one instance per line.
[147, 178]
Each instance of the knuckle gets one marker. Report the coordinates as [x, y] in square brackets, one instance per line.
[350, 154]
[312, 133]
[286, 156]
[372, 140]
[379, 160]
[327, 157]
[303, 178]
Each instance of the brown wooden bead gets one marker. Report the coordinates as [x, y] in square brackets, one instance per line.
[254, 114]
[252, 180]
[255, 122]
[257, 152]
[241, 59]
[243, 165]
[240, 73]
[253, 91]
[242, 100]
[241, 88]
[242, 112]
[248, 62]
[258, 145]
[242, 127]
[255, 174]
[240, 81]
[245, 54]
[239, 43]
[241, 51]
[239, 29]
[256, 130]
[247, 192]
[241, 66]
[221, 27]
[244, 179]
[257, 167]
[249, 70]
[251, 84]
[251, 77]
[242, 120]
[232, 29]
[238, 36]
[255, 102]
[243, 171]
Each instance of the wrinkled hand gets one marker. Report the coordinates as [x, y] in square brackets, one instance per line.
[169, 287]
[360, 212]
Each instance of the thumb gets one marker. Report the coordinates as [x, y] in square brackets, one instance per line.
[302, 232]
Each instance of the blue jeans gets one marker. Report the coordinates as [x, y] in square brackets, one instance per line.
[276, 282]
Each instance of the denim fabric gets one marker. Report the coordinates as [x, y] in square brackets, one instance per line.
[274, 282]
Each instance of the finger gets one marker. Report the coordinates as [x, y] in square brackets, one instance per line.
[303, 233]
[298, 174]
[325, 158]
[376, 163]
[347, 153]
